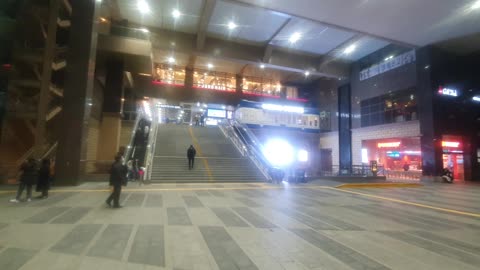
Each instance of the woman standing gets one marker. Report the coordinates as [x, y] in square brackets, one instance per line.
[43, 184]
[27, 179]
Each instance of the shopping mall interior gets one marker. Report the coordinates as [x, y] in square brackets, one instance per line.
[283, 101]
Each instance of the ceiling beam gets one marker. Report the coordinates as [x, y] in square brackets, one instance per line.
[205, 17]
[269, 48]
[332, 55]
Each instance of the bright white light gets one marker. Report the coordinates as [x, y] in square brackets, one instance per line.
[198, 104]
[176, 13]
[295, 37]
[302, 155]
[171, 60]
[350, 49]
[278, 152]
[275, 107]
[143, 6]
[146, 108]
[476, 98]
[210, 65]
[389, 58]
[262, 66]
[364, 155]
[476, 5]
[231, 25]
[145, 30]
[307, 73]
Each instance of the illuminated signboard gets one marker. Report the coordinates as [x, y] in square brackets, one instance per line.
[450, 144]
[447, 92]
[216, 113]
[388, 145]
[275, 107]
[394, 154]
[167, 106]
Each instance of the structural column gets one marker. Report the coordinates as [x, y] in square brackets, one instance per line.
[72, 147]
[111, 124]
[345, 129]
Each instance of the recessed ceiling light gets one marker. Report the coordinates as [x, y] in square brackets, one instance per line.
[171, 60]
[389, 58]
[295, 37]
[427, 67]
[262, 66]
[145, 30]
[102, 19]
[176, 13]
[143, 6]
[231, 25]
[307, 73]
[209, 65]
[350, 49]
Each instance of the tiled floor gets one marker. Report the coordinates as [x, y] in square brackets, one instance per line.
[244, 226]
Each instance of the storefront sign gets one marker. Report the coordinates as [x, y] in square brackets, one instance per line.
[167, 106]
[388, 145]
[450, 144]
[275, 107]
[393, 63]
[447, 92]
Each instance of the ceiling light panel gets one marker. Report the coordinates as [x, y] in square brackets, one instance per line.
[314, 37]
[363, 47]
[162, 14]
[254, 25]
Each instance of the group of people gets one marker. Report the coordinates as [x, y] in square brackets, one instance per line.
[200, 120]
[31, 174]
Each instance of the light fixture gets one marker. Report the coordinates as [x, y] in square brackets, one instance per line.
[389, 58]
[476, 98]
[475, 5]
[295, 37]
[307, 73]
[350, 49]
[143, 6]
[144, 30]
[262, 66]
[209, 65]
[171, 60]
[231, 25]
[103, 19]
[176, 13]
[427, 67]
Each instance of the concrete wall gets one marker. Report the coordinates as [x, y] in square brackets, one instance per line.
[109, 140]
[329, 140]
[396, 130]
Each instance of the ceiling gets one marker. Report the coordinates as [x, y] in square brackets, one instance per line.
[414, 22]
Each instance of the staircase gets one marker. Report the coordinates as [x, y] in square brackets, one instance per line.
[217, 159]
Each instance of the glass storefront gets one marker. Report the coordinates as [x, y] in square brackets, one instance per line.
[396, 154]
[214, 80]
[261, 86]
[169, 74]
[452, 155]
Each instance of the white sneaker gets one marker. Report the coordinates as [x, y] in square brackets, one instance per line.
[29, 200]
[14, 201]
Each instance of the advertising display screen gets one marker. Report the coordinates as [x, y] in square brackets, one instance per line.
[216, 113]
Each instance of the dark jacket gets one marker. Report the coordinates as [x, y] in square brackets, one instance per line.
[43, 178]
[118, 174]
[191, 152]
[29, 173]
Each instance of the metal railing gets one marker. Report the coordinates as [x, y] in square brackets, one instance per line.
[129, 149]
[149, 154]
[355, 170]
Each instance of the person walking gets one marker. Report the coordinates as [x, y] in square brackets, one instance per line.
[191, 152]
[130, 174]
[43, 183]
[118, 173]
[27, 179]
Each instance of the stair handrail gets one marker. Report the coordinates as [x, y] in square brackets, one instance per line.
[132, 136]
[253, 151]
[152, 143]
[229, 133]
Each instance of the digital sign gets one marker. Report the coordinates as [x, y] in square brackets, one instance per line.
[388, 145]
[450, 144]
[216, 113]
[275, 107]
[448, 92]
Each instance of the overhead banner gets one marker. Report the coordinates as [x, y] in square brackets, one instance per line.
[395, 62]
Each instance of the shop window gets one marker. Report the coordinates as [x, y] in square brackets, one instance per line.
[395, 107]
[169, 74]
[260, 86]
[214, 80]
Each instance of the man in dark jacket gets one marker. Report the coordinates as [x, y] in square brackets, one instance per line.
[118, 174]
[191, 152]
[27, 179]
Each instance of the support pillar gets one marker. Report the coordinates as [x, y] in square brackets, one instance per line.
[345, 129]
[72, 147]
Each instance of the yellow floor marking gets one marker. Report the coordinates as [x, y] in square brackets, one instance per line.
[199, 151]
[378, 185]
[408, 203]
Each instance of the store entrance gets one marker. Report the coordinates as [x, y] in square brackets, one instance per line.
[452, 148]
